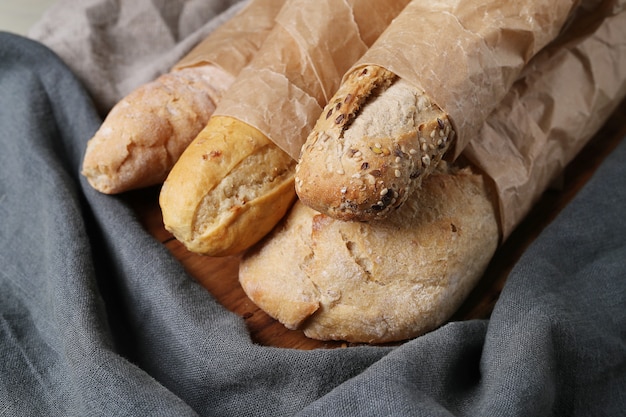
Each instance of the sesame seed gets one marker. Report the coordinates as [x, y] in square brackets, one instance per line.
[397, 173]
[413, 151]
[340, 171]
[432, 134]
[424, 147]
[384, 191]
[426, 160]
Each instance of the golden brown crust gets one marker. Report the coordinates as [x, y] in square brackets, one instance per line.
[370, 149]
[381, 281]
[228, 189]
[145, 133]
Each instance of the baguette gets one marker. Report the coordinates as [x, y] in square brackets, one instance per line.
[229, 188]
[377, 138]
[447, 65]
[334, 280]
[145, 133]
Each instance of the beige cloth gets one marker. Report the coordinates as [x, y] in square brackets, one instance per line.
[115, 46]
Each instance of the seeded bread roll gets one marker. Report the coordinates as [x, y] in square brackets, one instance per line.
[335, 280]
[145, 133]
[375, 141]
[228, 189]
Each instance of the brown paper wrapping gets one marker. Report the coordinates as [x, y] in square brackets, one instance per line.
[466, 54]
[523, 140]
[232, 45]
[284, 88]
[525, 83]
[563, 97]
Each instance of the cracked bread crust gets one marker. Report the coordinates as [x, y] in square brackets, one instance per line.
[382, 281]
[228, 189]
[144, 134]
[375, 141]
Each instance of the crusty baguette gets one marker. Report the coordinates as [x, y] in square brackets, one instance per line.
[145, 133]
[375, 141]
[335, 280]
[220, 199]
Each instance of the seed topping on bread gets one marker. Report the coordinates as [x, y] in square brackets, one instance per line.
[377, 138]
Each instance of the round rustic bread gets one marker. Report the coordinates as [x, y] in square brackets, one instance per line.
[381, 281]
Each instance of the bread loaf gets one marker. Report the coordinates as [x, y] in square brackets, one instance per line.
[375, 141]
[145, 133]
[381, 281]
[456, 60]
[220, 199]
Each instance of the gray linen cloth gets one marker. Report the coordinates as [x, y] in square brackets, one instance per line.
[98, 319]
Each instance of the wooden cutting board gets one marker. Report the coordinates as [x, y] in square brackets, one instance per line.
[219, 275]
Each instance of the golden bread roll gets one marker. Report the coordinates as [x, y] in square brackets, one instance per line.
[381, 281]
[220, 199]
[375, 141]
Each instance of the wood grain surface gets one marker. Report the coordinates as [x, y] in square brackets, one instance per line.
[219, 275]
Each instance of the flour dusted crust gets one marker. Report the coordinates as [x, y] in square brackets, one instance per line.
[381, 281]
[145, 133]
[375, 141]
[228, 189]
